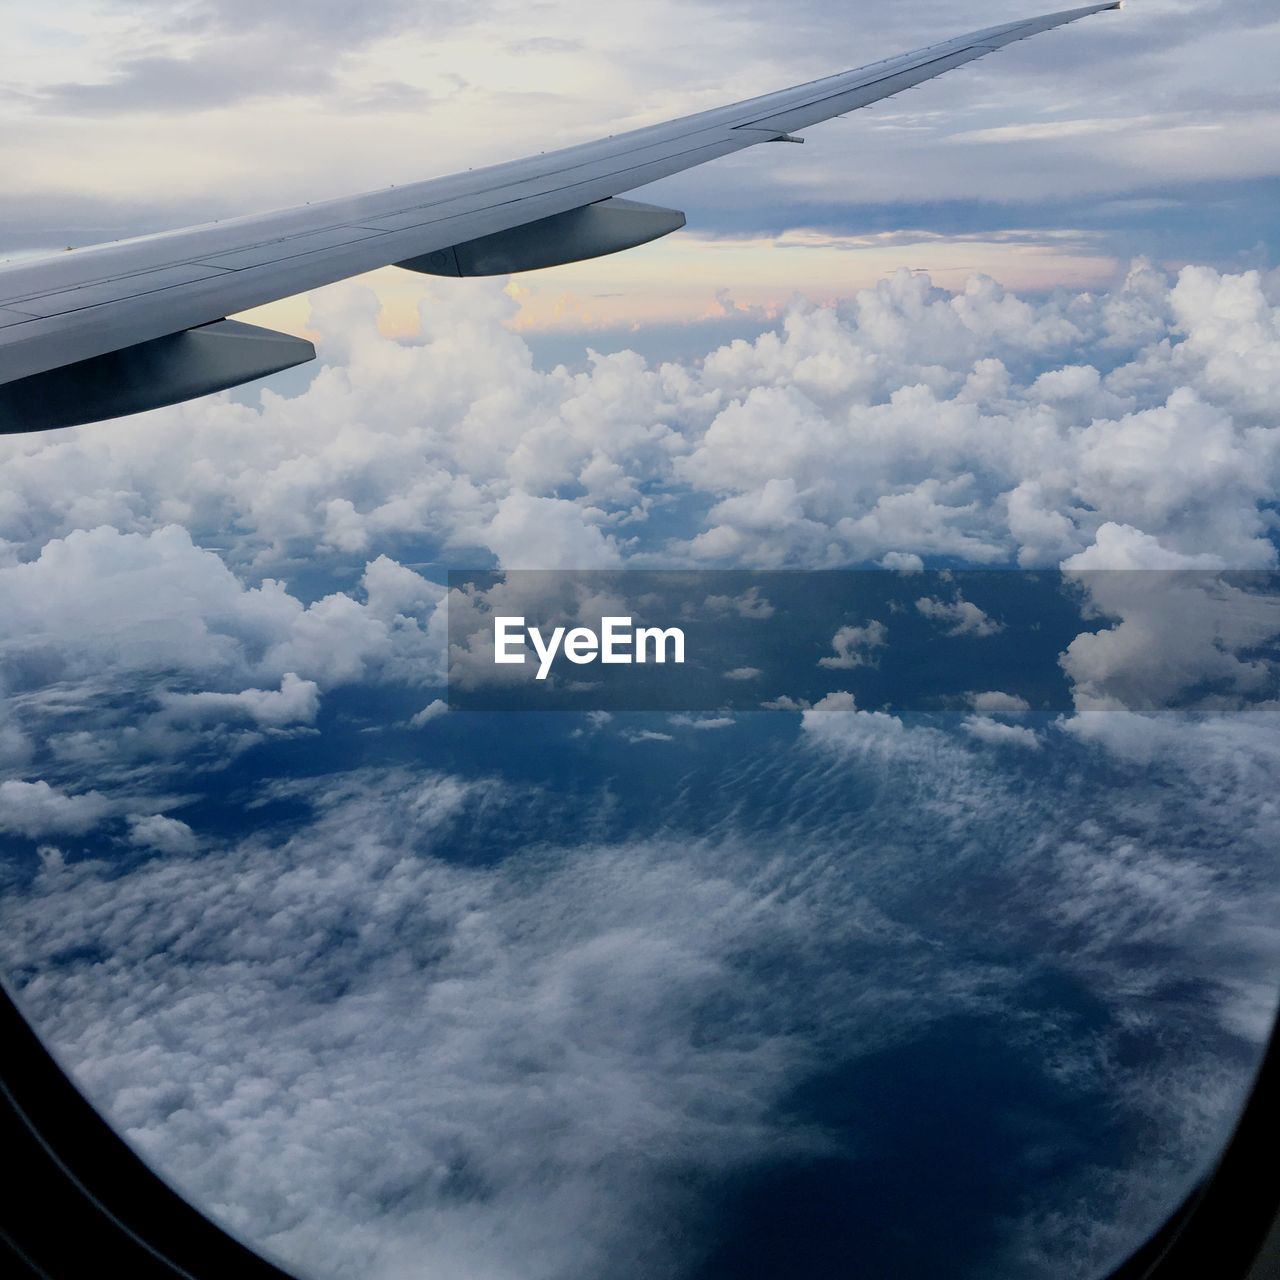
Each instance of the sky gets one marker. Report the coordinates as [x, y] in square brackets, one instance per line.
[395, 989]
[1053, 162]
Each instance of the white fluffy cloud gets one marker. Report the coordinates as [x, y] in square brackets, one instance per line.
[584, 968]
[105, 601]
[432, 711]
[907, 423]
[985, 729]
[855, 646]
[914, 434]
[993, 702]
[296, 701]
[529, 532]
[1174, 636]
[836, 721]
[959, 617]
[35, 809]
[163, 834]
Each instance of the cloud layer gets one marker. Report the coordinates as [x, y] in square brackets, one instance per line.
[368, 1055]
[459, 1005]
[1131, 428]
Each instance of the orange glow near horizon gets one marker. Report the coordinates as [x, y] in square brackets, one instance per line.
[687, 279]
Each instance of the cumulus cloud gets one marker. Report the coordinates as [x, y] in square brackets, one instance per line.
[903, 426]
[583, 968]
[296, 701]
[161, 833]
[102, 600]
[959, 617]
[529, 532]
[432, 711]
[837, 722]
[702, 722]
[994, 703]
[854, 646]
[986, 729]
[1121, 546]
[749, 604]
[35, 809]
[978, 459]
[901, 561]
[1179, 639]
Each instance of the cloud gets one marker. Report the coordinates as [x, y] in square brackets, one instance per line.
[432, 711]
[163, 834]
[854, 645]
[100, 600]
[837, 723]
[15, 748]
[529, 532]
[992, 731]
[141, 80]
[784, 702]
[35, 809]
[964, 617]
[225, 55]
[296, 701]
[237, 71]
[584, 969]
[1121, 546]
[905, 426]
[1180, 639]
[995, 703]
[339, 1046]
[750, 604]
[901, 561]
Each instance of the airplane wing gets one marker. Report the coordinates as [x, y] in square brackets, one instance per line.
[117, 328]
